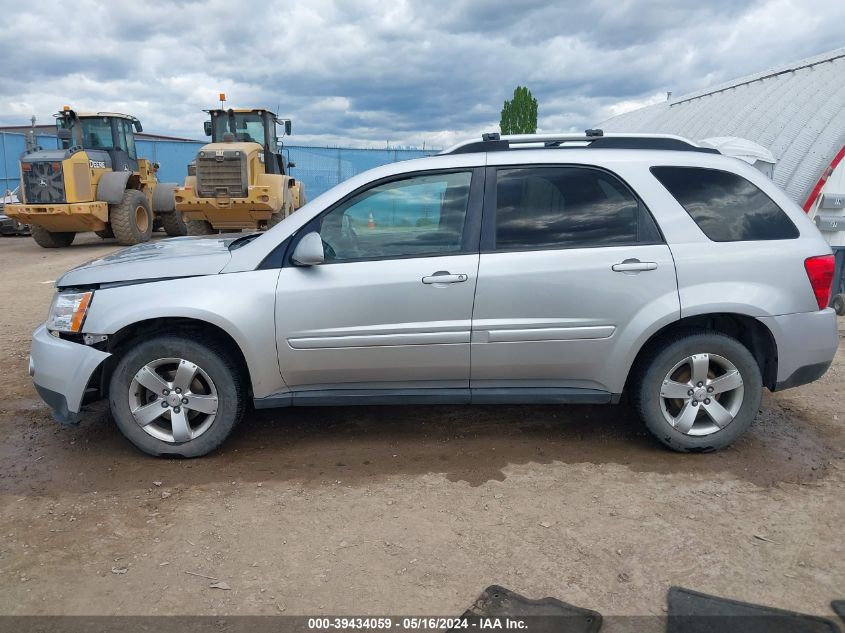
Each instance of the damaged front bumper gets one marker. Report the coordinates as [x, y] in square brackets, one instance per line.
[61, 371]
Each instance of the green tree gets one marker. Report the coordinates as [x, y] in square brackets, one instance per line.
[519, 116]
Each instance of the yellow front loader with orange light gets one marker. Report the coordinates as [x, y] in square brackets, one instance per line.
[240, 180]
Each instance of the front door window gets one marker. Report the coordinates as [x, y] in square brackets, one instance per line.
[413, 217]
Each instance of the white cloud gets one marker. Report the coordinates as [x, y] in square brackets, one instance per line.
[366, 72]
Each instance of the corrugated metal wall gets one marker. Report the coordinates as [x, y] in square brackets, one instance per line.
[319, 168]
[797, 111]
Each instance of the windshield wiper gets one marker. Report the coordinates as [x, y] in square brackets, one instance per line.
[242, 241]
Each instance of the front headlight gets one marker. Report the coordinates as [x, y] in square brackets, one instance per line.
[67, 314]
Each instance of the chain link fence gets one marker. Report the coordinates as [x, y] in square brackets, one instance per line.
[319, 168]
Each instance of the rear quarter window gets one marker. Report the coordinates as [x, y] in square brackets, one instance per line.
[725, 206]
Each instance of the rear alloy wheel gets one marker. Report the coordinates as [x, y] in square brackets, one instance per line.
[51, 239]
[132, 220]
[176, 396]
[700, 392]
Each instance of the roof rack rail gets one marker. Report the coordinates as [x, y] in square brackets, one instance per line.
[593, 139]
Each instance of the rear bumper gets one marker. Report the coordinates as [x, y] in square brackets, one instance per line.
[77, 216]
[806, 344]
[61, 371]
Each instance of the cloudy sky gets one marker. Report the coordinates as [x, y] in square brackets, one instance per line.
[367, 72]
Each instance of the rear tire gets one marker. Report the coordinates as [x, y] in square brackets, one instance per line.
[838, 304]
[199, 227]
[681, 376]
[132, 219]
[173, 223]
[156, 363]
[51, 239]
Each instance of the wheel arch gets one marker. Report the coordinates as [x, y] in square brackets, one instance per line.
[749, 331]
[202, 330]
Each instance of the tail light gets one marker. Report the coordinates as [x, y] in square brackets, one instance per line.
[820, 272]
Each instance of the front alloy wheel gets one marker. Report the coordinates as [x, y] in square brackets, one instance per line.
[177, 395]
[173, 399]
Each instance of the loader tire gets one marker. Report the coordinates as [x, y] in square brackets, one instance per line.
[275, 219]
[200, 227]
[173, 223]
[50, 239]
[132, 219]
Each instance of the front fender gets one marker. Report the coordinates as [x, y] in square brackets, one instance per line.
[111, 186]
[240, 304]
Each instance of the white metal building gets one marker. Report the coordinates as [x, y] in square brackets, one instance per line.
[796, 111]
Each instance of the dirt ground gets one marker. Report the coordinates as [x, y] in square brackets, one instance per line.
[405, 510]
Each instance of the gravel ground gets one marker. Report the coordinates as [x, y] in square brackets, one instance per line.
[405, 510]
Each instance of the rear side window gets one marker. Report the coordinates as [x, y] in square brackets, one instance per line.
[567, 207]
[725, 206]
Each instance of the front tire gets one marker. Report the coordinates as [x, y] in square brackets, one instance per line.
[174, 395]
[698, 391]
[132, 220]
[51, 239]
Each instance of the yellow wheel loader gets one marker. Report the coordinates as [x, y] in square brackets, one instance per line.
[93, 181]
[240, 180]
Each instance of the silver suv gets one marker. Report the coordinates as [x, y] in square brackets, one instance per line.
[524, 269]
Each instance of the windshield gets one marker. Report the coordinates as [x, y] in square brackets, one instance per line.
[96, 132]
[248, 126]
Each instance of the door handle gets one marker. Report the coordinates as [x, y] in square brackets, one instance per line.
[633, 266]
[444, 277]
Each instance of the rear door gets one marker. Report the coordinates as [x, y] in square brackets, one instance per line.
[573, 270]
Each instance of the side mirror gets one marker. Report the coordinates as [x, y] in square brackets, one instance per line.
[288, 127]
[206, 126]
[291, 164]
[64, 134]
[137, 124]
[309, 251]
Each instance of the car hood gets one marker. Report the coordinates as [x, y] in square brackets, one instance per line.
[162, 259]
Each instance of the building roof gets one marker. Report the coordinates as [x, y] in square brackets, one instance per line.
[797, 111]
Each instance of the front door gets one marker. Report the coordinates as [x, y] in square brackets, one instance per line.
[391, 307]
[573, 271]
[123, 155]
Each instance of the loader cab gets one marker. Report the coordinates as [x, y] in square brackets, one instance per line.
[110, 133]
[250, 126]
